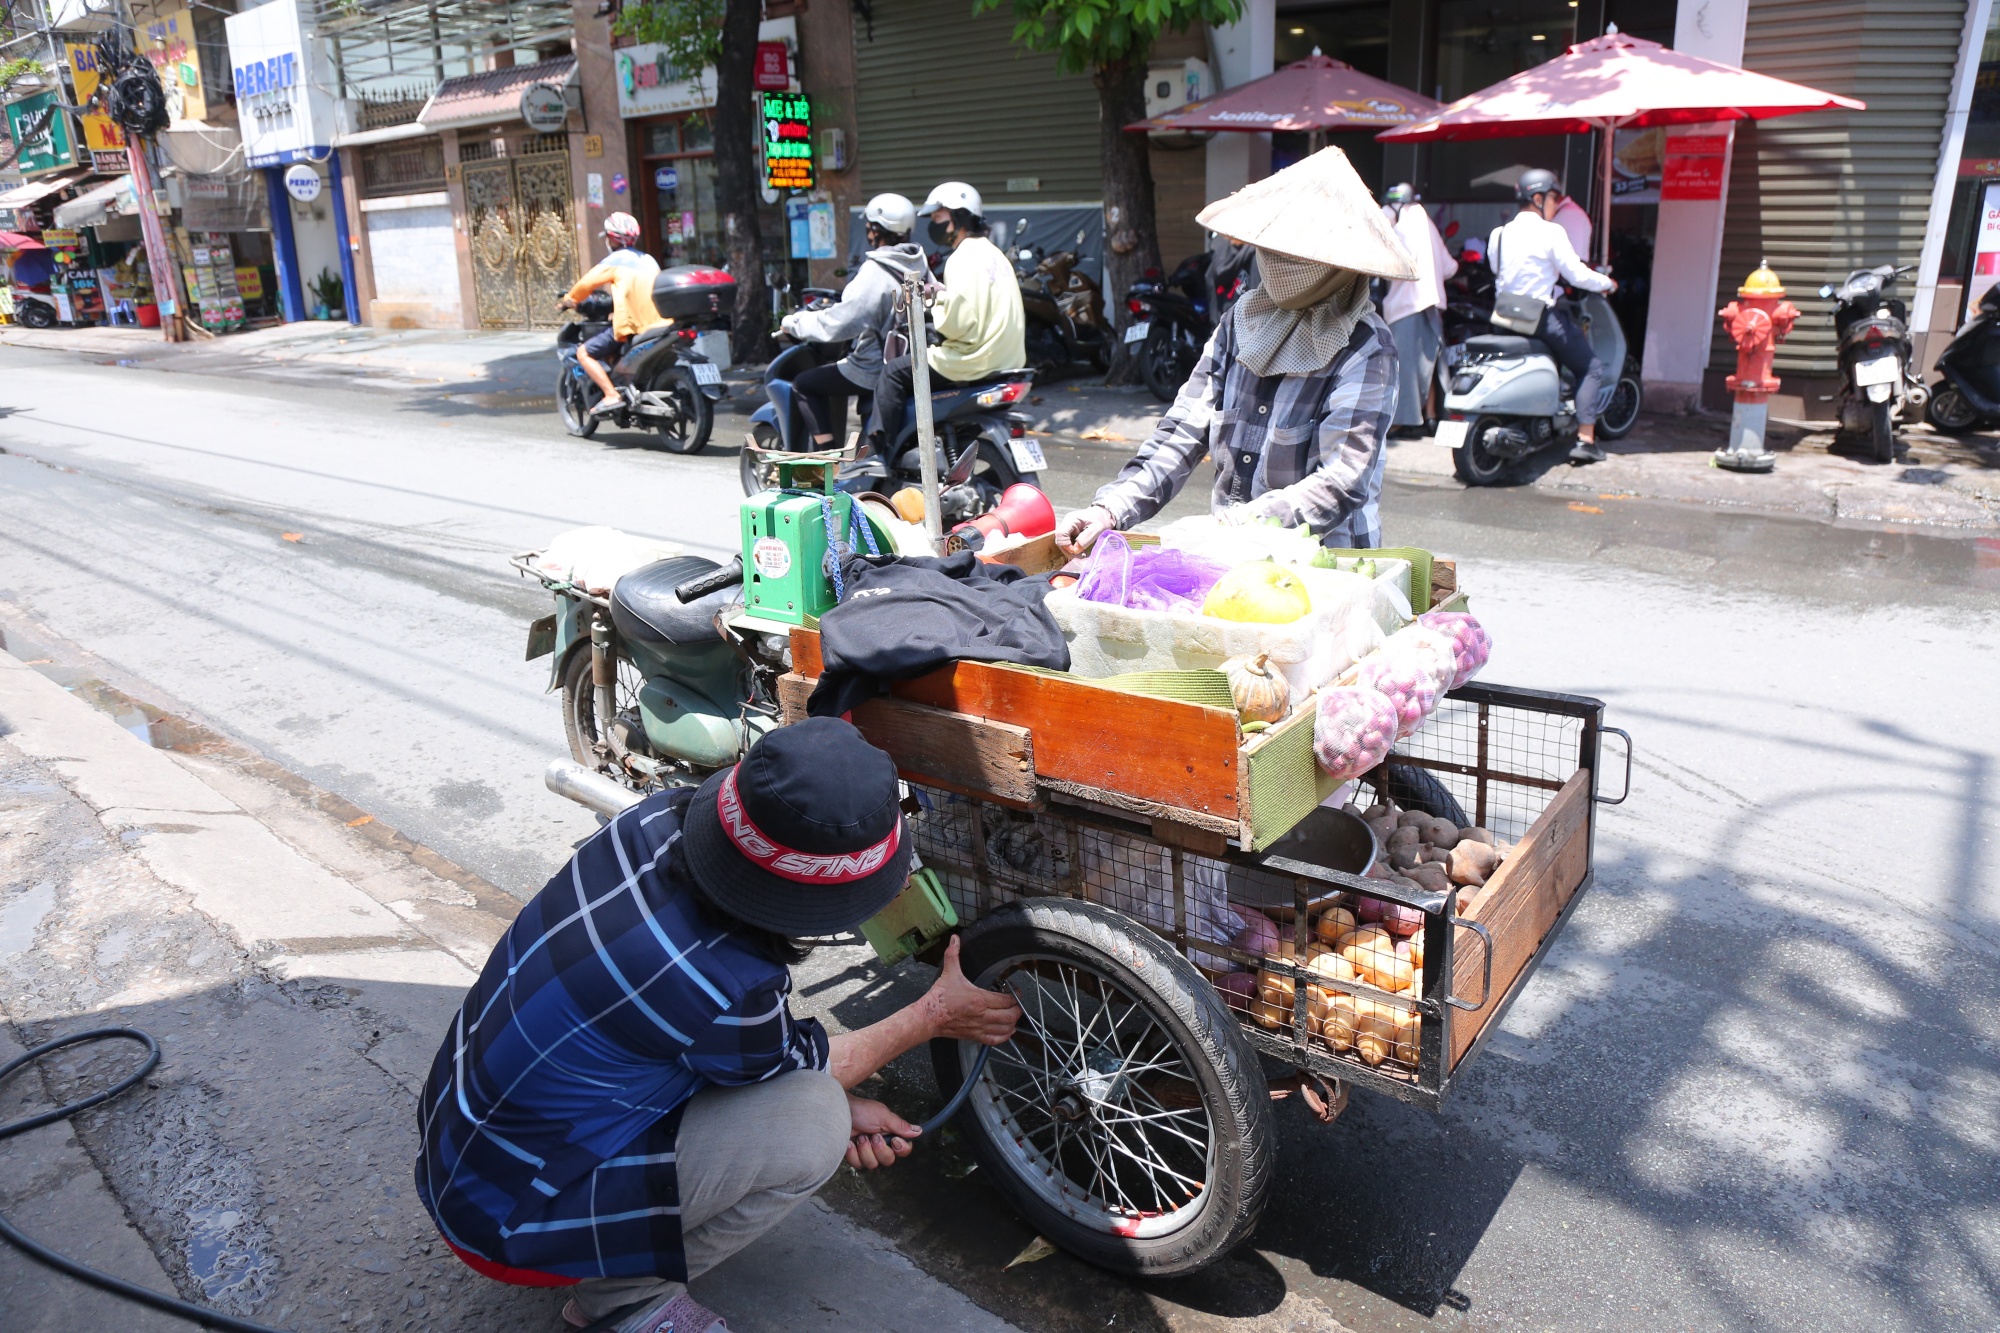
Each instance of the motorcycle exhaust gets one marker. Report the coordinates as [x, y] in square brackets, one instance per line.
[592, 791]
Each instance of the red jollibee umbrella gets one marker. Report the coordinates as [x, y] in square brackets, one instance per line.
[14, 240]
[1317, 93]
[1611, 83]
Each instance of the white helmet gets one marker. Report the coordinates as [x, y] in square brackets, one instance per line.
[955, 194]
[892, 213]
[622, 229]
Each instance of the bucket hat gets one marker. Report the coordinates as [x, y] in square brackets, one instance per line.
[804, 835]
[1316, 210]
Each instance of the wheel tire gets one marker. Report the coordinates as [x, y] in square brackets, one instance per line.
[35, 315]
[1166, 365]
[1417, 789]
[1948, 411]
[1615, 422]
[579, 713]
[1882, 432]
[1475, 466]
[572, 406]
[689, 433]
[757, 478]
[1222, 1087]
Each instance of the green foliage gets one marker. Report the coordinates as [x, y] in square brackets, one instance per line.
[1087, 34]
[690, 30]
[13, 71]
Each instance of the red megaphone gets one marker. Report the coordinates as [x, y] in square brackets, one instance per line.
[1023, 511]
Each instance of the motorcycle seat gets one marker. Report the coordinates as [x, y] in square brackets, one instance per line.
[654, 334]
[643, 605]
[949, 397]
[1507, 344]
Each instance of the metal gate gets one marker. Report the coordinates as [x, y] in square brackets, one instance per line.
[523, 239]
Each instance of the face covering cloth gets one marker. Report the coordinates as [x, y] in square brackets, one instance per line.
[1299, 316]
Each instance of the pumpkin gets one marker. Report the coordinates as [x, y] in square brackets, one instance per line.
[1260, 693]
[1261, 592]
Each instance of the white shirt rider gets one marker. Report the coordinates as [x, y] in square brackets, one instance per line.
[1530, 255]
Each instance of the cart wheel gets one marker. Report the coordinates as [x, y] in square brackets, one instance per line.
[1417, 789]
[1127, 1119]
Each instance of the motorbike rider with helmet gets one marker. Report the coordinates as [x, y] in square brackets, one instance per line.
[865, 314]
[1530, 254]
[978, 314]
[629, 272]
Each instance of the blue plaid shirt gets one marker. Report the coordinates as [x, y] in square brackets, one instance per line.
[1304, 449]
[549, 1118]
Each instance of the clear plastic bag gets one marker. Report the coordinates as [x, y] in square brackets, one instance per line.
[1354, 731]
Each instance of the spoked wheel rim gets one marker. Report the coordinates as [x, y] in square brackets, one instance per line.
[610, 744]
[1095, 1103]
[679, 433]
[575, 412]
[759, 472]
[1622, 412]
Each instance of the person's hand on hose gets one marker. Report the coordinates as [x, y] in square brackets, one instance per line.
[1076, 533]
[880, 1135]
[957, 1008]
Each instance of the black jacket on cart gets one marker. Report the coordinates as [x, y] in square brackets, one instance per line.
[902, 616]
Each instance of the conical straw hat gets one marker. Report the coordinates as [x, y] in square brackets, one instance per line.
[1319, 210]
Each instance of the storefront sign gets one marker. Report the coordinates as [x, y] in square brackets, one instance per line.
[62, 238]
[543, 108]
[109, 164]
[303, 182]
[649, 85]
[39, 126]
[666, 178]
[1695, 167]
[1985, 249]
[773, 70]
[169, 45]
[1635, 165]
[102, 135]
[788, 154]
[250, 284]
[618, 182]
[83, 76]
[283, 100]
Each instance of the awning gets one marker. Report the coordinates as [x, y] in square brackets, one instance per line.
[98, 205]
[493, 97]
[23, 195]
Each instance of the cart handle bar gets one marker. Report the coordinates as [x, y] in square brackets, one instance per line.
[1625, 736]
[1486, 976]
[728, 576]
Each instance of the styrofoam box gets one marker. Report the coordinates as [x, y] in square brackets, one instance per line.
[1347, 622]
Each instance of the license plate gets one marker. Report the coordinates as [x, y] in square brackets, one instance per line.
[1450, 434]
[705, 372]
[1881, 370]
[1027, 455]
[1137, 332]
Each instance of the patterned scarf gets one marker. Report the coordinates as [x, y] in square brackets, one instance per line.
[1299, 316]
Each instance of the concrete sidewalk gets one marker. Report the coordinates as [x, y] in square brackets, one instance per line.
[298, 969]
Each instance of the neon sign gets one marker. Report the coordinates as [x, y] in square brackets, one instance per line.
[788, 156]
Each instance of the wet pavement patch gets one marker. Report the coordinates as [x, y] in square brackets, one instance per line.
[505, 402]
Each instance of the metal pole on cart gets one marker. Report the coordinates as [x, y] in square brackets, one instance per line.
[920, 393]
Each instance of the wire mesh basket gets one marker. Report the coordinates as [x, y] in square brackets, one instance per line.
[1381, 1016]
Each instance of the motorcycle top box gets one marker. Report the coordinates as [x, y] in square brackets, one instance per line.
[694, 293]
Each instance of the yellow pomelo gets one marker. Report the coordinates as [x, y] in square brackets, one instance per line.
[1261, 591]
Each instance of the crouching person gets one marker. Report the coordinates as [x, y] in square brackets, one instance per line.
[625, 1099]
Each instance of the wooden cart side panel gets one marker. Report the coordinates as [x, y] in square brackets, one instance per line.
[1520, 904]
[1163, 751]
[968, 754]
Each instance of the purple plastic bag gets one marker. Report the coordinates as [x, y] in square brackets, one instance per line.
[1152, 578]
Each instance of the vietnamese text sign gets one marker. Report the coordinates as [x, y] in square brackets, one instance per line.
[39, 126]
[772, 71]
[169, 45]
[788, 160]
[1985, 249]
[1694, 166]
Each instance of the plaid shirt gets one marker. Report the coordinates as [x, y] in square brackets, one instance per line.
[1300, 448]
[549, 1119]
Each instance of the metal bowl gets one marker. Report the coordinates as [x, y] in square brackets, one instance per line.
[1331, 838]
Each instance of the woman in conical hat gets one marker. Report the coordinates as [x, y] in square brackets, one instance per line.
[1294, 394]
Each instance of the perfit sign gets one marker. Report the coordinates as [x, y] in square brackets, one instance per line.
[788, 159]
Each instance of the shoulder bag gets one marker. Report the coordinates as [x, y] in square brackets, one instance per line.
[1516, 314]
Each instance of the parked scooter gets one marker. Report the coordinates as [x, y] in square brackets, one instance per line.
[1170, 323]
[35, 310]
[985, 444]
[1969, 395]
[1066, 326]
[668, 383]
[1877, 380]
[1510, 399]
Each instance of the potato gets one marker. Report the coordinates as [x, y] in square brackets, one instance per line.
[1473, 862]
[1329, 964]
[1415, 819]
[1334, 1020]
[1273, 1005]
[1434, 878]
[1384, 1031]
[1416, 943]
[1477, 834]
[1443, 835]
[1404, 836]
[1405, 858]
[1332, 924]
[1434, 855]
[1372, 951]
[1381, 828]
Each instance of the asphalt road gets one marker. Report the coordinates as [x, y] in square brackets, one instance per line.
[1755, 1086]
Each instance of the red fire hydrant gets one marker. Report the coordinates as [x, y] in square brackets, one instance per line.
[1757, 321]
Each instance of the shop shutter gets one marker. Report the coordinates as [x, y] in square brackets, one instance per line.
[1820, 195]
[944, 94]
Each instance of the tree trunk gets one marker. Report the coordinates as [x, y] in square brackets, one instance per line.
[1131, 236]
[736, 185]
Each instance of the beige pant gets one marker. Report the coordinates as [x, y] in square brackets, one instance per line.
[745, 1157]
